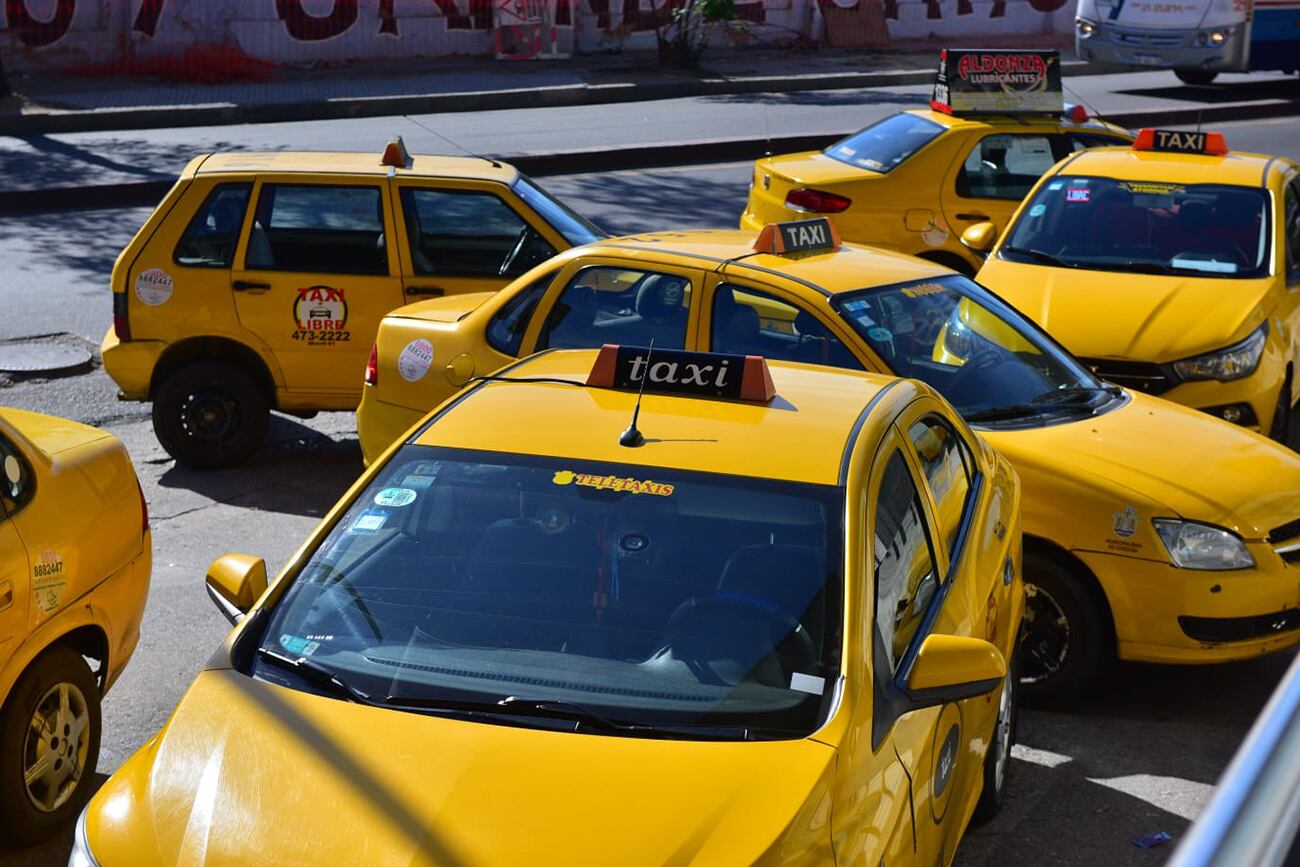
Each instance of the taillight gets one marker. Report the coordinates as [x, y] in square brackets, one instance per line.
[121, 324]
[144, 509]
[816, 201]
[372, 366]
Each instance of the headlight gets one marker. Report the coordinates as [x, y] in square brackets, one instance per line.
[1236, 361]
[1201, 546]
[81, 856]
[1085, 27]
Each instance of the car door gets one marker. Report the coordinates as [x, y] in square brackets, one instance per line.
[314, 276]
[608, 301]
[15, 573]
[996, 172]
[457, 236]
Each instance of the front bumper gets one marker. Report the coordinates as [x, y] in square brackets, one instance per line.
[1169, 615]
[380, 424]
[1162, 49]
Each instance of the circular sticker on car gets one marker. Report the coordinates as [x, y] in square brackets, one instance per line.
[935, 234]
[395, 497]
[414, 360]
[153, 287]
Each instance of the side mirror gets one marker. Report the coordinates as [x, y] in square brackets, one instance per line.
[235, 581]
[980, 237]
[951, 668]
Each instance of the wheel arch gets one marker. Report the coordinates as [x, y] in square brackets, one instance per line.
[949, 259]
[89, 641]
[1050, 550]
[218, 348]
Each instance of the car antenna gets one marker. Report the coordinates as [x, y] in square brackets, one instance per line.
[632, 437]
[1075, 96]
[427, 128]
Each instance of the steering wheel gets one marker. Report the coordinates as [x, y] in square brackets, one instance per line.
[521, 242]
[1213, 246]
[329, 578]
[706, 623]
[983, 358]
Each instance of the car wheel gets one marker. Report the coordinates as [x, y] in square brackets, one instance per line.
[49, 747]
[1063, 638]
[997, 762]
[1195, 76]
[1280, 430]
[210, 414]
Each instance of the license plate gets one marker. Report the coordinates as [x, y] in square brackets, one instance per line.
[1148, 59]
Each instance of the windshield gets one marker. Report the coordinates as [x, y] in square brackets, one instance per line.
[575, 228]
[886, 144]
[1105, 224]
[981, 355]
[660, 602]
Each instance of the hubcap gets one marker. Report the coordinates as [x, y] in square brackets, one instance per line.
[1002, 735]
[209, 415]
[54, 752]
[1046, 642]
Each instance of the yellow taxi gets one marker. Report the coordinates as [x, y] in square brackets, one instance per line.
[75, 558]
[1123, 554]
[917, 179]
[595, 609]
[258, 282]
[1171, 267]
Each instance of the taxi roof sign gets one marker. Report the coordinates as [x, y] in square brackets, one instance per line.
[1179, 142]
[674, 371]
[395, 154]
[798, 236]
[995, 81]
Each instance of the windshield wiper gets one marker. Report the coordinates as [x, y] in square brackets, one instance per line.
[1064, 396]
[537, 707]
[1147, 268]
[1021, 410]
[317, 675]
[1039, 256]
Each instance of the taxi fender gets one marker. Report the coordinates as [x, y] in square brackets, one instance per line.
[85, 615]
[245, 346]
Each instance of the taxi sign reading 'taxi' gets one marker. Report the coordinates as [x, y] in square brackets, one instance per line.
[987, 81]
[798, 236]
[673, 371]
[1179, 142]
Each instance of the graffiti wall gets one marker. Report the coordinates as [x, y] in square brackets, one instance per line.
[128, 34]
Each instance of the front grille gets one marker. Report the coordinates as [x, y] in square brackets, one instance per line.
[1218, 629]
[1149, 40]
[1140, 376]
[1286, 531]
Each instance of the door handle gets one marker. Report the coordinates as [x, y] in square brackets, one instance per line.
[432, 291]
[250, 286]
[974, 215]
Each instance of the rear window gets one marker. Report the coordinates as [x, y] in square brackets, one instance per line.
[885, 145]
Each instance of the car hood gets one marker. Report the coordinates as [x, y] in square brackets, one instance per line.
[248, 767]
[1144, 317]
[451, 308]
[1159, 455]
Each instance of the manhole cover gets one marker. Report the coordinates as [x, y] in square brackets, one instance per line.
[41, 358]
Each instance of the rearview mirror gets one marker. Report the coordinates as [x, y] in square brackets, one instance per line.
[980, 237]
[951, 668]
[235, 581]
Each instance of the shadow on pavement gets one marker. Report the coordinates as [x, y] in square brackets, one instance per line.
[1218, 93]
[52, 852]
[652, 200]
[855, 97]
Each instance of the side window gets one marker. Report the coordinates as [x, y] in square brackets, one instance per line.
[318, 229]
[469, 234]
[619, 305]
[210, 238]
[948, 468]
[1292, 218]
[749, 322]
[1005, 166]
[1083, 141]
[906, 581]
[506, 330]
[17, 482]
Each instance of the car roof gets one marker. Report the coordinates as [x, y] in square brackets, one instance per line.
[1016, 121]
[801, 435]
[849, 268]
[353, 163]
[1236, 167]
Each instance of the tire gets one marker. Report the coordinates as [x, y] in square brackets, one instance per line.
[1195, 76]
[32, 814]
[997, 762]
[210, 414]
[1064, 643]
[1280, 430]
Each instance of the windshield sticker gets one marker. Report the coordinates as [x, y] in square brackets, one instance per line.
[300, 646]
[1038, 210]
[154, 287]
[612, 483]
[881, 334]
[369, 522]
[922, 289]
[320, 314]
[414, 360]
[1125, 527]
[396, 497]
[1151, 188]
[49, 581]
[1056, 185]
[809, 683]
[1078, 194]
[417, 482]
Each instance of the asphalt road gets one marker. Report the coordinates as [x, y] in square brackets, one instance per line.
[1142, 757]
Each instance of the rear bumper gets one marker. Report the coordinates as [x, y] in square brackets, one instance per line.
[1169, 615]
[380, 424]
[131, 364]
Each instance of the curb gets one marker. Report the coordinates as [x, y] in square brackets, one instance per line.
[594, 161]
[533, 97]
